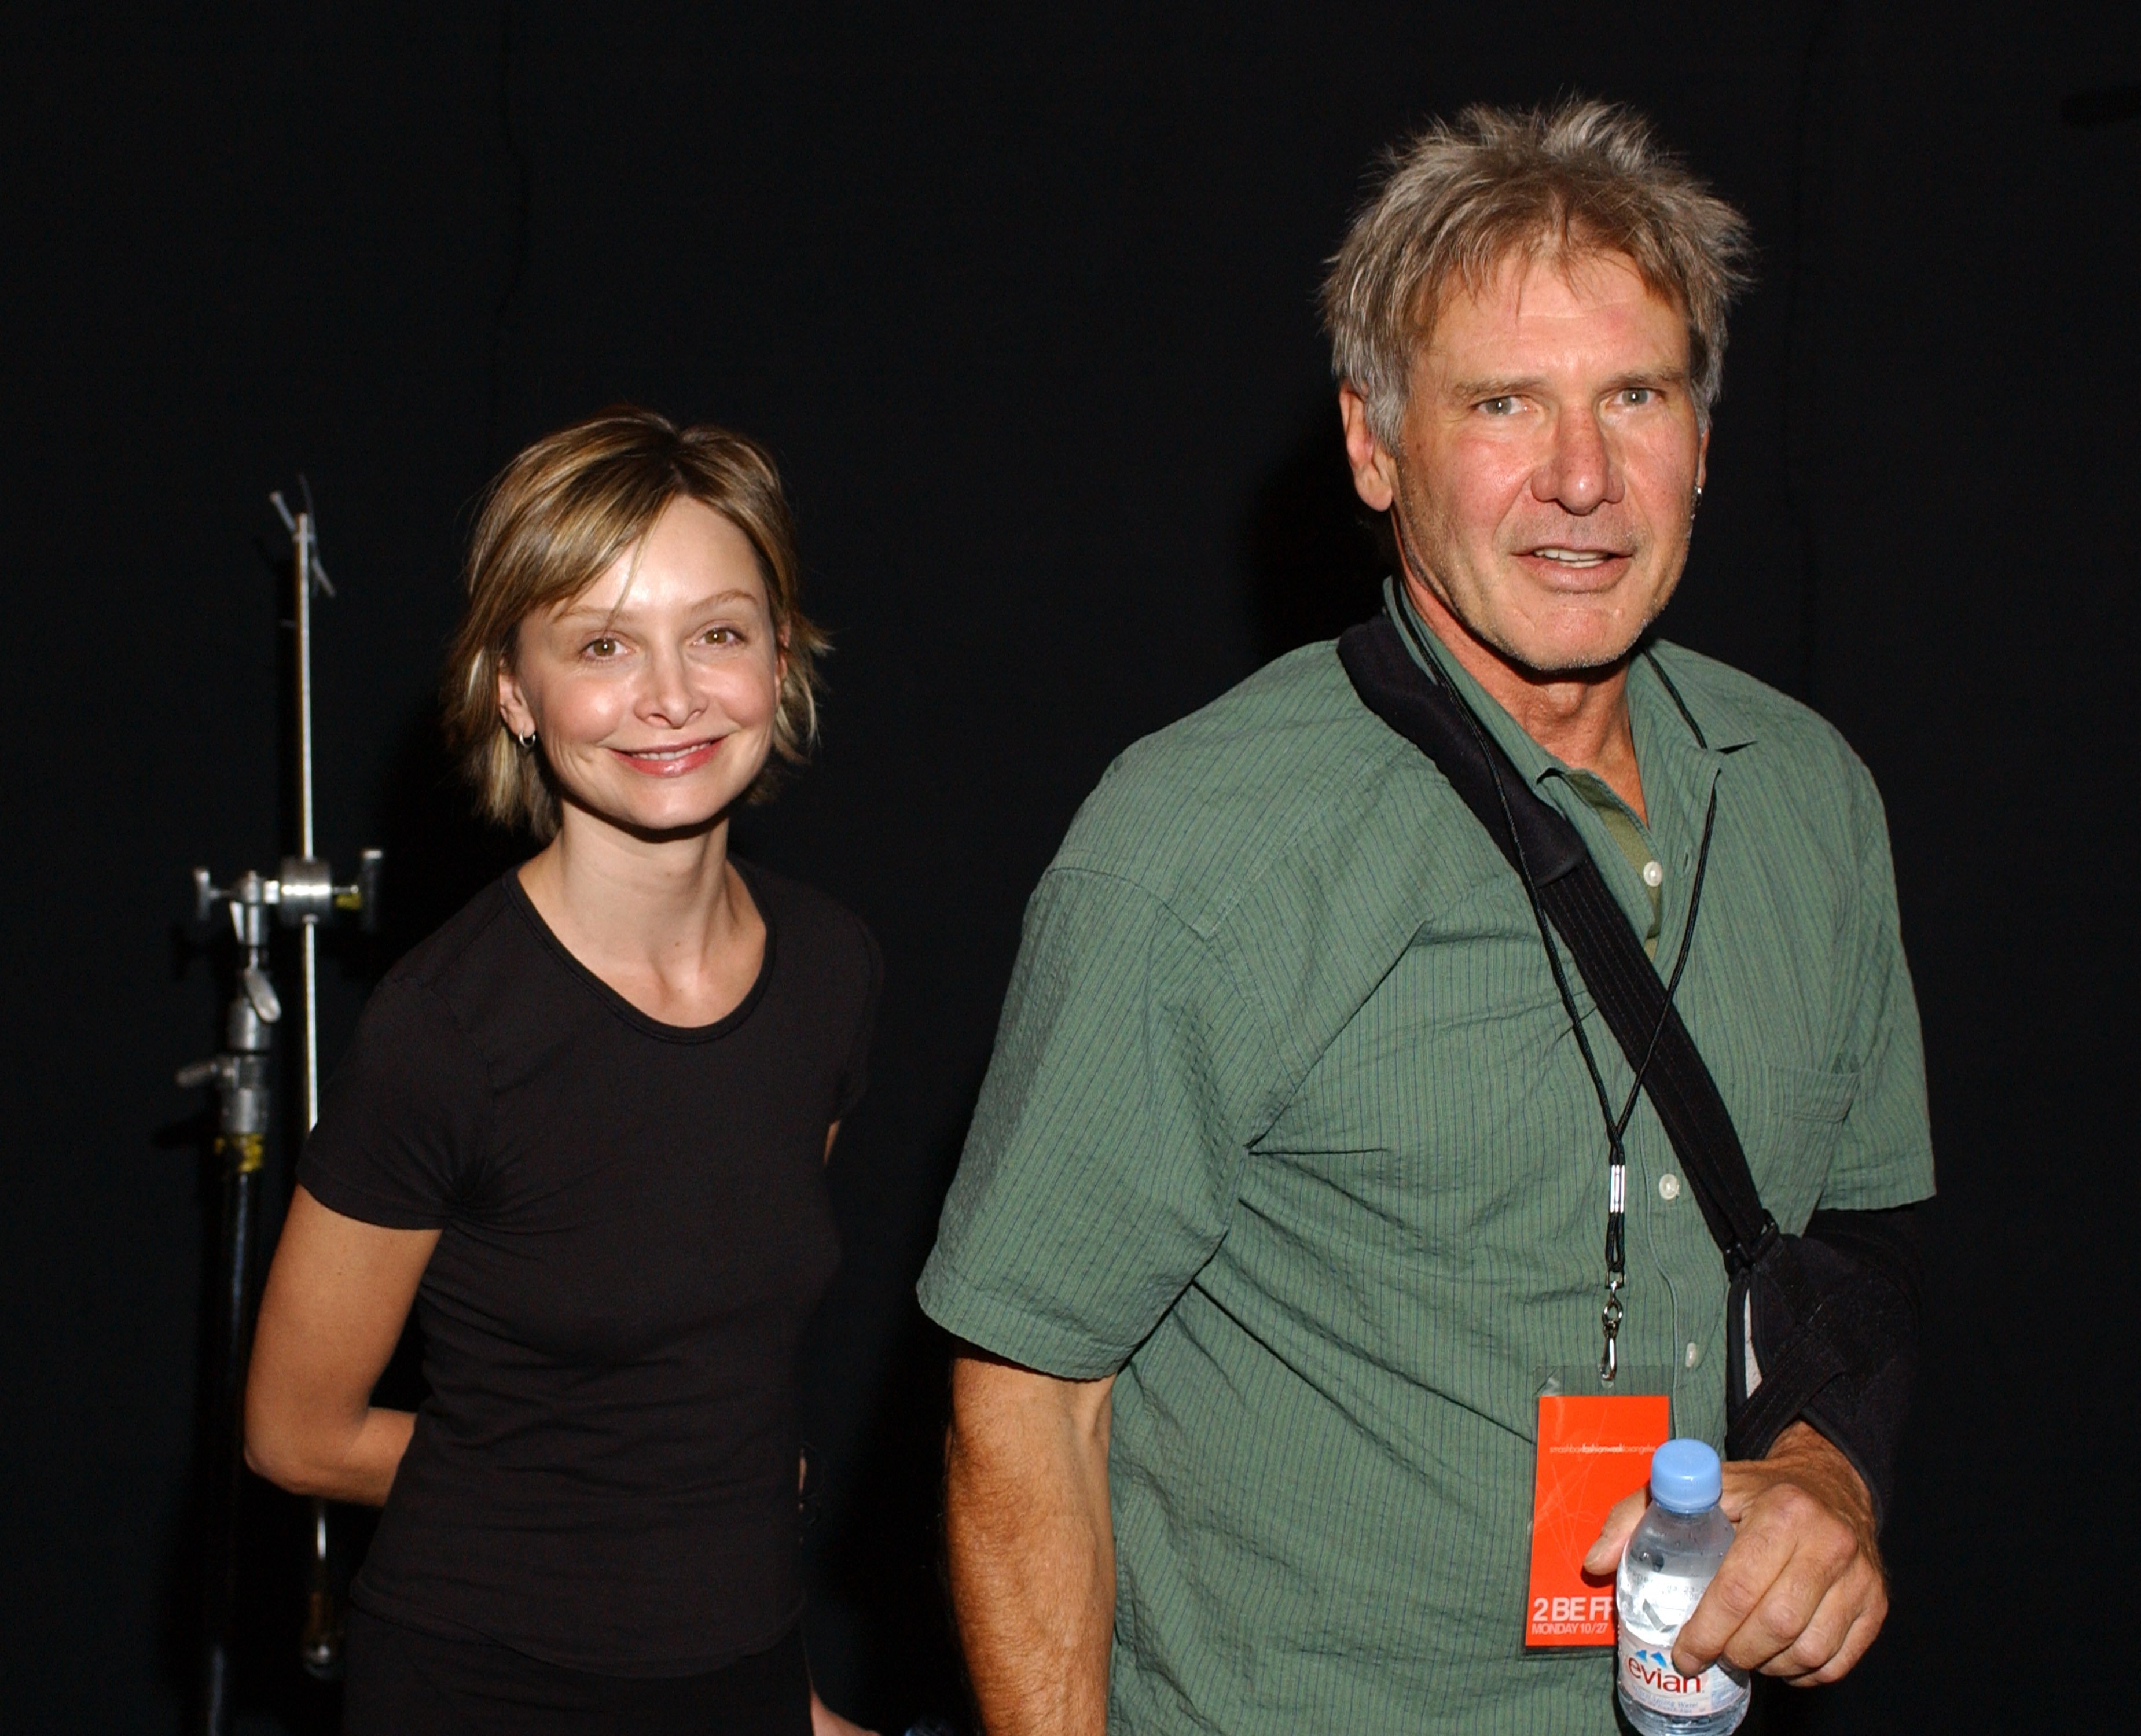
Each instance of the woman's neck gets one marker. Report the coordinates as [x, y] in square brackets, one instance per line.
[666, 923]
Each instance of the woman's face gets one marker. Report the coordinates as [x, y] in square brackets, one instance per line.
[653, 692]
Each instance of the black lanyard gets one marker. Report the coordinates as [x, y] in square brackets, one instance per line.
[1616, 1126]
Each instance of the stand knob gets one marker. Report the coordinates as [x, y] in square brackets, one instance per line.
[261, 992]
[213, 1071]
[369, 865]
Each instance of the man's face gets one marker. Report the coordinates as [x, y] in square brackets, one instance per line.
[1551, 458]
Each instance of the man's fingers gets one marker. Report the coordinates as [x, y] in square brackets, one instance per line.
[1800, 1594]
[1809, 1640]
[1751, 1567]
[1861, 1634]
[1604, 1555]
[1822, 1564]
[1790, 1551]
[1837, 1638]
[1789, 1594]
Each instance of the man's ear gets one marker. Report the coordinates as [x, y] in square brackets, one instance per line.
[1702, 460]
[1375, 470]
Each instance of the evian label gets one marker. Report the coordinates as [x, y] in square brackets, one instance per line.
[1648, 1680]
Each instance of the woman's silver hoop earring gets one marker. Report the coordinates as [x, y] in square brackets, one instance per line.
[525, 743]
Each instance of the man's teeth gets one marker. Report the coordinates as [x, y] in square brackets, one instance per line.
[1575, 557]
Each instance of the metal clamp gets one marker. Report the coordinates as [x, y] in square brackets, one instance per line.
[1609, 1318]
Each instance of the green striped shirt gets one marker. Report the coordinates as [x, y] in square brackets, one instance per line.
[1286, 1128]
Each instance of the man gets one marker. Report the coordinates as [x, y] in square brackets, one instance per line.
[1283, 1200]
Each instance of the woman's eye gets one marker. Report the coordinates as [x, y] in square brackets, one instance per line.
[604, 647]
[722, 636]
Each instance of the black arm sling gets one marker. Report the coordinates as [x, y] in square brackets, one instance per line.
[1819, 1327]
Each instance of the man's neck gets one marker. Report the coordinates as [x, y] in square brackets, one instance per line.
[1581, 718]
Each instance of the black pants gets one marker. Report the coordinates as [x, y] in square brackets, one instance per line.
[403, 1682]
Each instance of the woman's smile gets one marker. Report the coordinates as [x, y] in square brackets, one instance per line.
[669, 762]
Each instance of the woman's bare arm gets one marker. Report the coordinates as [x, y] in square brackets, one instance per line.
[338, 1296]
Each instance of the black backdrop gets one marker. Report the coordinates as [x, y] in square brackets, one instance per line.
[1023, 300]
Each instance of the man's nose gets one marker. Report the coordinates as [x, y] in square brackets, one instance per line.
[1582, 470]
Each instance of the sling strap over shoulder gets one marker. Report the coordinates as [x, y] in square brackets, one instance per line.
[1615, 967]
[1812, 1323]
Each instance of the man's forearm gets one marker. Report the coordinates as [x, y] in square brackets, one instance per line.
[1031, 1550]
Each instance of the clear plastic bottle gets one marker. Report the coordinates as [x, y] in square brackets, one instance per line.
[1671, 1557]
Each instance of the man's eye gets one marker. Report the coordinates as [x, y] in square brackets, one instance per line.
[1500, 406]
[1638, 395]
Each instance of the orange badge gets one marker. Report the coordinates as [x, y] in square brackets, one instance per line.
[1592, 1451]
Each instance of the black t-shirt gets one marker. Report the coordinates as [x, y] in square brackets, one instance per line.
[636, 1230]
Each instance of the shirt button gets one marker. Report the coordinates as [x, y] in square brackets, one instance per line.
[1654, 874]
[1668, 1187]
[1694, 1354]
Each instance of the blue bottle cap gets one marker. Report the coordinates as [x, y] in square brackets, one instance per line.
[1686, 1477]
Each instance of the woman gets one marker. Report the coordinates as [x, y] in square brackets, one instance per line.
[583, 1128]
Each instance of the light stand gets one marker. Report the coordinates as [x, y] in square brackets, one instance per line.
[301, 895]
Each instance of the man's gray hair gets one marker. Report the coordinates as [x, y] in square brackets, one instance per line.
[1584, 179]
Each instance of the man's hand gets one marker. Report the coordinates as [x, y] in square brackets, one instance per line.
[1802, 1591]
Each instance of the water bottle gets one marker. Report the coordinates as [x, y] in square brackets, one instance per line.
[1671, 1557]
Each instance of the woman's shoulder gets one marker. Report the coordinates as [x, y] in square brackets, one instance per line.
[469, 941]
[811, 927]
[405, 1122]
[490, 970]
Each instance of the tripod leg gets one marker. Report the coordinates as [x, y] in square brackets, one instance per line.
[234, 1300]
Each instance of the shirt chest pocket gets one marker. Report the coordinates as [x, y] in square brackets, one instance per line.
[1792, 1134]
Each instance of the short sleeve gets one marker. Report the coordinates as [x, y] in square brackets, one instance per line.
[854, 1073]
[1106, 1146]
[404, 1121]
[1886, 1158]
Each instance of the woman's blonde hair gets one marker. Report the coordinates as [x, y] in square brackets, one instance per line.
[552, 523]
[1584, 178]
